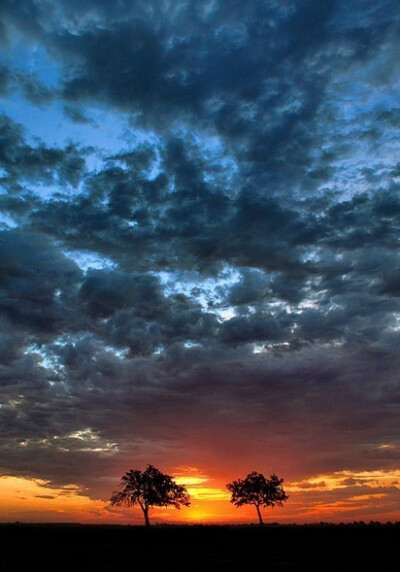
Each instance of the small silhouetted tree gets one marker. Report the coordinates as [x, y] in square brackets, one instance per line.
[148, 489]
[257, 490]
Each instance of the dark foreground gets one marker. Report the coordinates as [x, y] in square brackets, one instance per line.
[319, 548]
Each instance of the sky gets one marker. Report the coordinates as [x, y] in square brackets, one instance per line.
[200, 268]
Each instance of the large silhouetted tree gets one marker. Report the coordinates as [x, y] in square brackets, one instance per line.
[148, 489]
[257, 490]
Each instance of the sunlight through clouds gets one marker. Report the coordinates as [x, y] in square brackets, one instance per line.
[348, 479]
[32, 499]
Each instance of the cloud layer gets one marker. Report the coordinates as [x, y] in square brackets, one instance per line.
[200, 231]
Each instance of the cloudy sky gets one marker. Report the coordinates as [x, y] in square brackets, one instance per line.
[200, 266]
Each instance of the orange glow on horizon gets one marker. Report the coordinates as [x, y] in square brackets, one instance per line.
[339, 496]
[342, 480]
[37, 500]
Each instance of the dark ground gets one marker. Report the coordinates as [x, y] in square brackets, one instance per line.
[319, 548]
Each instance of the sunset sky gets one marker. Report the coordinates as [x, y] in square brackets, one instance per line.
[199, 255]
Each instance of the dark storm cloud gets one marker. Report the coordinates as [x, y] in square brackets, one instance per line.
[12, 81]
[365, 221]
[35, 164]
[256, 74]
[322, 409]
[76, 115]
[107, 292]
[179, 219]
[254, 328]
[36, 282]
[263, 91]
[225, 286]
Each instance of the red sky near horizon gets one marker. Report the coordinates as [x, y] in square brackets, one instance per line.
[343, 496]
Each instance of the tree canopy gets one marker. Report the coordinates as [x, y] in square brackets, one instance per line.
[149, 488]
[257, 490]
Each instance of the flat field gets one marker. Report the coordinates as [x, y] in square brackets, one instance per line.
[319, 548]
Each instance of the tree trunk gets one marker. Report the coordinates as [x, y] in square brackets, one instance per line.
[146, 515]
[260, 520]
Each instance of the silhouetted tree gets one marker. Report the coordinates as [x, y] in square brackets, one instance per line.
[257, 490]
[149, 488]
